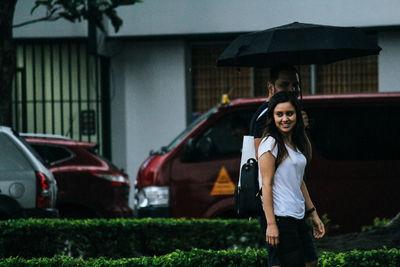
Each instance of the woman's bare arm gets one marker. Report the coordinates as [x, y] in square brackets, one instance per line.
[267, 167]
[318, 226]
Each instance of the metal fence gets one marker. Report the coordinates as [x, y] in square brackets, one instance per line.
[61, 89]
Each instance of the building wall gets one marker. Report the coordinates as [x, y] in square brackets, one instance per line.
[160, 17]
[389, 64]
[148, 93]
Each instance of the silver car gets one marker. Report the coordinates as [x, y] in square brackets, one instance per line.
[27, 187]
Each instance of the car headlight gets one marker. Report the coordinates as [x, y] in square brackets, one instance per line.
[153, 196]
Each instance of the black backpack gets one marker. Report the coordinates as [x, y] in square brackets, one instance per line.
[247, 194]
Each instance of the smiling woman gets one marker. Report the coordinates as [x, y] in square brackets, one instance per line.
[285, 117]
[283, 155]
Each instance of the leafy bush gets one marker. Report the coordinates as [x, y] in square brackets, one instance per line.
[118, 238]
[101, 242]
[195, 257]
[329, 226]
[199, 257]
[381, 257]
[377, 223]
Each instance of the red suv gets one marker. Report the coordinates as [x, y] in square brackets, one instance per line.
[88, 185]
[354, 175]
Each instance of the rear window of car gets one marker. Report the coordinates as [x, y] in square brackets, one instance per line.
[52, 154]
[11, 158]
[93, 150]
[366, 133]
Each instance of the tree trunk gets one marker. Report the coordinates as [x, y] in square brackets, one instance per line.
[7, 60]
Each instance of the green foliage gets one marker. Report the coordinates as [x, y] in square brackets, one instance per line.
[377, 223]
[382, 257]
[133, 242]
[118, 238]
[201, 257]
[329, 227]
[78, 10]
[194, 257]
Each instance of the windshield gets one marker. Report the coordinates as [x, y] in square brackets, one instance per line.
[189, 128]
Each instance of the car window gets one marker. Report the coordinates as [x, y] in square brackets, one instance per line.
[190, 127]
[52, 154]
[30, 148]
[224, 138]
[11, 158]
[367, 133]
[93, 150]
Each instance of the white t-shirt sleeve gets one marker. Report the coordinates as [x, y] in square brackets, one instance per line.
[268, 144]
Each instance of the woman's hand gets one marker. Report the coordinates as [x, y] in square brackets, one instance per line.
[272, 235]
[318, 226]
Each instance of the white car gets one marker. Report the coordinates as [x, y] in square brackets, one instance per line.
[27, 187]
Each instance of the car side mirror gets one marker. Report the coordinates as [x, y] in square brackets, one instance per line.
[190, 152]
[205, 146]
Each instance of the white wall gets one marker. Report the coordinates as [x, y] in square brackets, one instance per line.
[148, 106]
[389, 62]
[160, 17]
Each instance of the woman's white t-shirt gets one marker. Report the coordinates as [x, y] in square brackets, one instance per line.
[287, 196]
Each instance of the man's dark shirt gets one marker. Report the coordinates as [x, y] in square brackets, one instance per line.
[257, 123]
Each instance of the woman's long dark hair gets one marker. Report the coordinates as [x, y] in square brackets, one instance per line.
[299, 136]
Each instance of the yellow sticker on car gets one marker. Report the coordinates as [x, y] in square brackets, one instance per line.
[223, 185]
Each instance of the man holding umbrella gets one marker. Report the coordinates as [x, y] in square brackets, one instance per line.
[282, 78]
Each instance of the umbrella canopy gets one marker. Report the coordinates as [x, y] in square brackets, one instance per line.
[297, 44]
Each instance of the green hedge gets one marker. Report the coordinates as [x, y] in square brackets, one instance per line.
[123, 238]
[198, 257]
[195, 257]
[381, 257]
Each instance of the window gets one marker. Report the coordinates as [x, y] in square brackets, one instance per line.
[209, 82]
[188, 129]
[11, 158]
[358, 75]
[52, 154]
[366, 133]
[224, 138]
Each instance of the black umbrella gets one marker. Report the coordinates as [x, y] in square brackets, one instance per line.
[297, 44]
